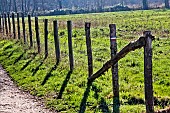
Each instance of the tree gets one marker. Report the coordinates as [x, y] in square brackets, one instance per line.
[145, 5]
[60, 4]
[22, 3]
[10, 4]
[15, 5]
[42, 2]
[167, 4]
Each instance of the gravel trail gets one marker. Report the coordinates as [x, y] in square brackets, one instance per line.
[14, 100]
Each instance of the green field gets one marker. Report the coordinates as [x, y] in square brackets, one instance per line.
[43, 78]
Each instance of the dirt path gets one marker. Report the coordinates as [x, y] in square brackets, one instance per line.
[13, 100]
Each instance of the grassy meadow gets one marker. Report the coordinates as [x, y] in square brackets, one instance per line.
[43, 78]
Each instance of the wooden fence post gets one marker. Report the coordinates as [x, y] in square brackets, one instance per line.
[9, 23]
[6, 26]
[13, 24]
[149, 100]
[56, 41]
[115, 78]
[23, 28]
[71, 59]
[37, 34]
[0, 23]
[46, 36]
[18, 23]
[89, 50]
[30, 30]
[3, 24]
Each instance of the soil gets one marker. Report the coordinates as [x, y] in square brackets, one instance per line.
[14, 100]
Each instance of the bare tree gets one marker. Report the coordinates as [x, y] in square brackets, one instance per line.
[9, 5]
[167, 4]
[35, 8]
[14, 5]
[60, 4]
[22, 5]
[28, 5]
[145, 4]
[42, 1]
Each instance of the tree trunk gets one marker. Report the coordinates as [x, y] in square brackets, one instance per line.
[60, 4]
[145, 5]
[6, 6]
[22, 6]
[15, 6]
[35, 7]
[43, 5]
[25, 6]
[10, 4]
[1, 6]
[28, 6]
[167, 4]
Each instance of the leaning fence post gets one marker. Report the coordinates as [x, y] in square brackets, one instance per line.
[37, 34]
[56, 41]
[149, 100]
[30, 30]
[13, 24]
[71, 59]
[9, 23]
[23, 28]
[6, 27]
[89, 50]
[18, 23]
[46, 36]
[115, 78]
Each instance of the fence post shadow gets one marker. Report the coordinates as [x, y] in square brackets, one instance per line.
[103, 105]
[27, 63]
[48, 75]
[64, 85]
[85, 96]
[20, 57]
[37, 68]
[11, 53]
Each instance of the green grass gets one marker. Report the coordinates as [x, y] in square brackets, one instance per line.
[43, 78]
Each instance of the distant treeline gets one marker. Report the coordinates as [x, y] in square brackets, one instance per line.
[51, 7]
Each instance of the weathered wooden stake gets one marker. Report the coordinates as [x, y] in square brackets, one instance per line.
[0, 23]
[3, 29]
[13, 24]
[89, 50]
[18, 23]
[6, 26]
[23, 28]
[149, 100]
[46, 36]
[71, 59]
[30, 30]
[37, 34]
[56, 41]
[9, 23]
[115, 78]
